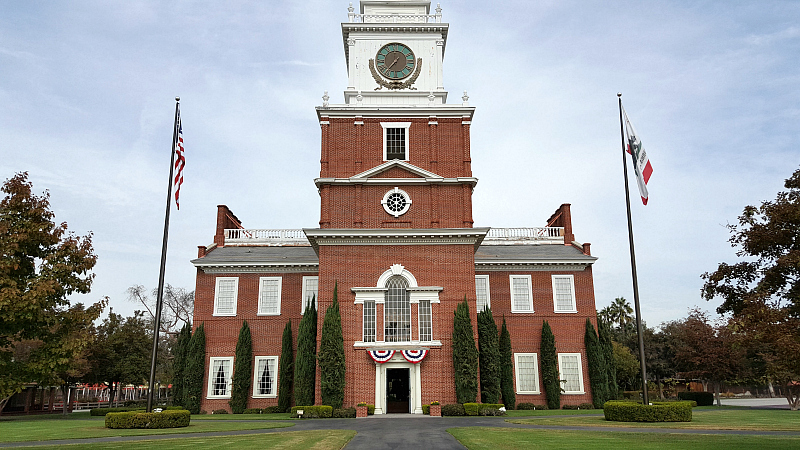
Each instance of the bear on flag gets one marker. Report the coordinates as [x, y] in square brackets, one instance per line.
[641, 163]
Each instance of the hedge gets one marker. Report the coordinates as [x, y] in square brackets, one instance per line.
[370, 410]
[530, 406]
[702, 398]
[268, 410]
[164, 419]
[426, 409]
[314, 412]
[621, 411]
[344, 413]
[104, 411]
[455, 409]
[483, 409]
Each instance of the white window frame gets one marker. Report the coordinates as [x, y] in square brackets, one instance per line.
[261, 282]
[419, 320]
[530, 293]
[235, 295]
[488, 296]
[580, 373]
[571, 279]
[373, 317]
[535, 374]
[211, 373]
[256, 375]
[387, 125]
[305, 291]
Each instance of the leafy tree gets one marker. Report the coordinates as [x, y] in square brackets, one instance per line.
[598, 377]
[286, 369]
[179, 365]
[506, 368]
[42, 264]
[626, 366]
[242, 371]
[489, 356]
[465, 355]
[604, 336]
[550, 377]
[331, 356]
[195, 369]
[177, 306]
[659, 355]
[305, 366]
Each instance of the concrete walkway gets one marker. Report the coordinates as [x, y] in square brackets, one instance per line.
[760, 403]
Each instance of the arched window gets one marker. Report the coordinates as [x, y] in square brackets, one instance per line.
[397, 315]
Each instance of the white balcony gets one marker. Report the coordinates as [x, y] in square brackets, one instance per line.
[536, 235]
[234, 237]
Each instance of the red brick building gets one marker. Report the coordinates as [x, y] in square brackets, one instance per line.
[396, 232]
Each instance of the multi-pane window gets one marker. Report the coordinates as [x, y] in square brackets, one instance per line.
[569, 367]
[219, 377]
[521, 299]
[482, 292]
[269, 296]
[395, 143]
[527, 371]
[564, 293]
[369, 321]
[225, 296]
[265, 376]
[425, 327]
[397, 311]
[310, 288]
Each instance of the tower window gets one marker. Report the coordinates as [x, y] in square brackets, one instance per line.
[395, 140]
[397, 311]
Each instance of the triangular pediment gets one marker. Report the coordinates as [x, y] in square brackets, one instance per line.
[395, 169]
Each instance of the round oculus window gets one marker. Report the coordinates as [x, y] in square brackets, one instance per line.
[396, 202]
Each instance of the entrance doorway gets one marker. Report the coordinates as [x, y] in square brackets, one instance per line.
[397, 391]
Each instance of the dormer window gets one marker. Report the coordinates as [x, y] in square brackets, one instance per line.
[395, 140]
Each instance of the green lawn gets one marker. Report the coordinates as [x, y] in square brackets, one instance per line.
[81, 425]
[478, 438]
[278, 416]
[551, 412]
[320, 440]
[709, 419]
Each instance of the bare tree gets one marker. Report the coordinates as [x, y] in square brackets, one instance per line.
[177, 308]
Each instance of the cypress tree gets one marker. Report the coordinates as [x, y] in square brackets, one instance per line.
[607, 345]
[507, 369]
[598, 378]
[550, 378]
[195, 368]
[489, 356]
[331, 356]
[179, 365]
[305, 365]
[286, 377]
[242, 371]
[465, 355]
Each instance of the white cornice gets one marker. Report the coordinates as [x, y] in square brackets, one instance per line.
[535, 266]
[378, 27]
[396, 181]
[240, 267]
[396, 163]
[396, 111]
[393, 236]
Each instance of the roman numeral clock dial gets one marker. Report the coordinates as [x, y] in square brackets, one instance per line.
[395, 61]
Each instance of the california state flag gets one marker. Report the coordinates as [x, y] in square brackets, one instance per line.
[641, 163]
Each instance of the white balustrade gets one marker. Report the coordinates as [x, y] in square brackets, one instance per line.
[265, 237]
[522, 235]
[395, 18]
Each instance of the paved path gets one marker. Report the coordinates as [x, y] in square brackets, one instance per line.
[399, 431]
[760, 403]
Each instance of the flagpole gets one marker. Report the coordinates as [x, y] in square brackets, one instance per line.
[645, 397]
[160, 295]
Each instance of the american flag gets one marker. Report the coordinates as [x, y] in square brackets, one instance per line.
[180, 160]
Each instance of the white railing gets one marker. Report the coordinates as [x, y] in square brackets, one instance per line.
[395, 18]
[267, 237]
[537, 234]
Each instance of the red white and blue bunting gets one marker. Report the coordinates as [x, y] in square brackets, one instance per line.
[381, 356]
[414, 356]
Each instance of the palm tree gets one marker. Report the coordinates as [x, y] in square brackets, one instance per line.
[607, 314]
[621, 311]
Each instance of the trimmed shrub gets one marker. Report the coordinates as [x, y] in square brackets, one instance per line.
[305, 365]
[426, 409]
[455, 409]
[621, 411]
[507, 390]
[587, 406]
[370, 410]
[702, 398]
[526, 406]
[242, 371]
[103, 411]
[164, 419]
[286, 370]
[331, 358]
[276, 409]
[195, 368]
[252, 411]
[219, 411]
[571, 406]
[471, 409]
[313, 412]
[465, 355]
[344, 413]
[489, 357]
[550, 378]
[598, 377]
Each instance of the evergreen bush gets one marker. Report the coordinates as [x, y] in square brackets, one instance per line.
[286, 370]
[331, 356]
[344, 413]
[550, 378]
[242, 371]
[507, 390]
[179, 365]
[164, 419]
[606, 344]
[195, 368]
[483, 409]
[489, 356]
[598, 377]
[313, 412]
[622, 411]
[465, 355]
[455, 409]
[305, 366]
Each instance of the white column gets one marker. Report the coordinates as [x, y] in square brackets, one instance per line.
[418, 391]
[379, 390]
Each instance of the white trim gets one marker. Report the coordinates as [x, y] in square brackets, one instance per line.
[414, 384]
[387, 125]
[530, 293]
[571, 279]
[397, 269]
[274, 394]
[305, 292]
[228, 382]
[535, 373]
[235, 295]
[488, 296]
[580, 373]
[261, 282]
[419, 321]
[374, 320]
[387, 207]
[391, 164]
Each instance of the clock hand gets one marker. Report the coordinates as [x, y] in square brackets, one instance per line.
[395, 60]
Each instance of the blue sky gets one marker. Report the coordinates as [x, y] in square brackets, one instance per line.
[86, 104]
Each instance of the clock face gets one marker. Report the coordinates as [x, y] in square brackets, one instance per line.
[395, 61]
